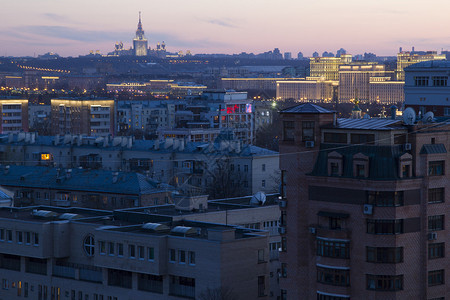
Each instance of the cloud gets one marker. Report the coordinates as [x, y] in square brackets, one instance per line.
[73, 34]
[224, 22]
[55, 17]
[54, 36]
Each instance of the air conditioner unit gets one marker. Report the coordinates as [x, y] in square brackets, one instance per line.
[312, 230]
[309, 144]
[407, 147]
[282, 203]
[432, 236]
[368, 209]
[281, 230]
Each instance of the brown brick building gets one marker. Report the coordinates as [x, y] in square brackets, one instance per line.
[365, 205]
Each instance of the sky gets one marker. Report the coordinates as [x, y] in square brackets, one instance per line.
[72, 28]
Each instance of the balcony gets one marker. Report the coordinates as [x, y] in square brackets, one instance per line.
[332, 233]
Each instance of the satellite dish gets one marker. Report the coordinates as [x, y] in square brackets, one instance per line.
[258, 199]
[409, 116]
[428, 117]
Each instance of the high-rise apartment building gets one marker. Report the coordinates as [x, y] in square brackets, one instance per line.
[365, 211]
[140, 43]
[82, 116]
[328, 67]
[406, 58]
[13, 115]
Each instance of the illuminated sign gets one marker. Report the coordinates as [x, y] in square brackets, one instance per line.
[248, 108]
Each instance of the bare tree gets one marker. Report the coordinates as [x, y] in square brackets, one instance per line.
[222, 293]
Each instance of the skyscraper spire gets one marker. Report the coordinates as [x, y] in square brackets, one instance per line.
[140, 42]
[139, 25]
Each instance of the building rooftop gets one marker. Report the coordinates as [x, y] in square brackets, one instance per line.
[431, 64]
[433, 149]
[383, 160]
[125, 221]
[307, 108]
[168, 145]
[215, 205]
[126, 183]
[369, 124]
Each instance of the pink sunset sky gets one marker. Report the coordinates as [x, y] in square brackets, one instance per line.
[71, 28]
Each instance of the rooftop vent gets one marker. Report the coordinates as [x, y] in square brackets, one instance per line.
[69, 216]
[183, 230]
[44, 214]
[155, 227]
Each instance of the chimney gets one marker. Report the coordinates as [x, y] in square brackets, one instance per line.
[68, 173]
[393, 112]
[7, 170]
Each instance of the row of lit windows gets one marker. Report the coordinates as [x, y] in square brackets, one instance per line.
[27, 237]
[54, 293]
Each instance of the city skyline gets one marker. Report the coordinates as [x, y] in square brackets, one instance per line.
[72, 29]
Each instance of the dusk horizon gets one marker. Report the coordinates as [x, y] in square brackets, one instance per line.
[70, 29]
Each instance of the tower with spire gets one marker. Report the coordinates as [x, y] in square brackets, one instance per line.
[140, 43]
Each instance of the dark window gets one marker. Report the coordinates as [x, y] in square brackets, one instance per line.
[288, 130]
[335, 138]
[436, 168]
[421, 80]
[436, 250]
[329, 297]
[150, 283]
[332, 276]
[385, 198]
[119, 278]
[399, 139]
[435, 277]
[336, 249]
[334, 223]
[436, 195]
[384, 254]
[307, 131]
[261, 286]
[356, 138]
[436, 223]
[182, 286]
[172, 255]
[384, 226]
[334, 169]
[360, 170]
[439, 80]
[384, 282]
[406, 170]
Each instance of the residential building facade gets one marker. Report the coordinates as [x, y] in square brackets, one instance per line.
[365, 214]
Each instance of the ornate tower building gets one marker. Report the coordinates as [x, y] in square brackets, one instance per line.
[140, 43]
